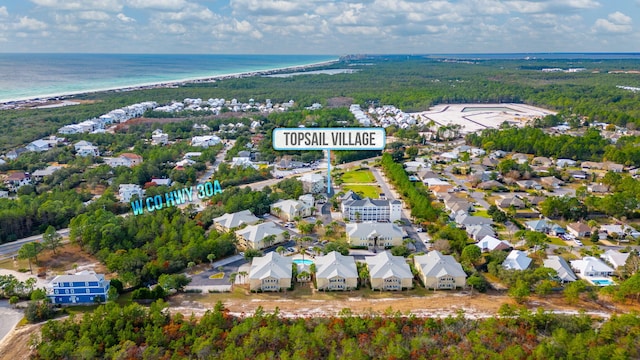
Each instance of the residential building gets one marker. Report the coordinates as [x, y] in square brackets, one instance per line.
[271, 272]
[290, 209]
[597, 188]
[125, 159]
[439, 271]
[38, 175]
[205, 141]
[85, 148]
[84, 287]
[477, 232]
[259, 236]
[464, 219]
[389, 272]
[490, 185]
[161, 182]
[517, 260]
[335, 271]
[39, 146]
[562, 163]
[590, 266]
[313, 183]
[551, 182]
[4, 194]
[230, 221]
[615, 258]
[16, 180]
[369, 209]
[159, 138]
[579, 229]
[127, 191]
[541, 225]
[542, 161]
[508, 201]
[529, 184]
[374, 235]
[565, 274]
[490, 243]
[520, 158]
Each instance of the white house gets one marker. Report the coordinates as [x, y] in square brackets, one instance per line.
[289, 209]
[313, 183]
[271, 272]
[253, 236]
[369, 209]
[439, 271]
[38, 146]
[517, 260]
[85, 148]
[335, 271]
[159, 138]
[590, 266]
[205, 141]
[490, 243]
[374, 235]
[229, 221]
[38, 175]
[615, 258]
[16, 180]
[127, 191]
[389, 272]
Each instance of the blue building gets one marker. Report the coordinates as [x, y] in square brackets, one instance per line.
[84, 287]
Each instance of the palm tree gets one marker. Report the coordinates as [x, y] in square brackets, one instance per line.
[280, 250]
[243, 274]
[211, 257]
[303, 251]
[232, 278]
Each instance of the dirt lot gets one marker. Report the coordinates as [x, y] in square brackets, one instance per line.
[65, 259]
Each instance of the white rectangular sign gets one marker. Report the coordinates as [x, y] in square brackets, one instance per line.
[329, 139]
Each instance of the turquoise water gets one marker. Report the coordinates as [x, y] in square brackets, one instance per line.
[28, 76]
[602, 282]
[304, 262]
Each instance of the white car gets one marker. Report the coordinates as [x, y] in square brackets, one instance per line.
[578, 242]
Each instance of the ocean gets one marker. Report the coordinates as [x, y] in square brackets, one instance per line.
[30, 76]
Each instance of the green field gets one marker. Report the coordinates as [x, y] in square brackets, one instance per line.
[359, 176]
[364, 190]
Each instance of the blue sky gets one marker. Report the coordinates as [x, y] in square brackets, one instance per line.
[335, 27]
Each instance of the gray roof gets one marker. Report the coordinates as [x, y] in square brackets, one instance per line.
[589, 264]
[350, 195]
[271, 265]
[491, 243]
[385, 265]
[434, 264]
[517, 260]
[466, 220]
[369, 202]
[366, 229]
[236, 219]
[615, 257]
[335, 264]
[561, 267]
[83, 276]
[254, 233]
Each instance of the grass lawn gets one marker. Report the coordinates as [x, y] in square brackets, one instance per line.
[366, 190]
[219, 275]
[557, 241]
[482, 213]
[358, 176]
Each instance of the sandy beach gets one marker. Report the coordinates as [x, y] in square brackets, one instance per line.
[50, 100]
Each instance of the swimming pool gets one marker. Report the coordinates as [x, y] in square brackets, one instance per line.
[602, 282]
[301, 261]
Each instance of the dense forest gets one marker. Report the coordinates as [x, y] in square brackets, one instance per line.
[411, 83]
[135, 332]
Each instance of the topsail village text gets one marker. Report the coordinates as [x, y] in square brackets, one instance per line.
[176, 197]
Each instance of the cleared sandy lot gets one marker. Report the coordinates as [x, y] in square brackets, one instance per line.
[476, 117]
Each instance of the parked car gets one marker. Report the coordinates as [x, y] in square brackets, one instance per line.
[578, 242]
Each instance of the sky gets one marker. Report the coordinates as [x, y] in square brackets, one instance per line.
[332, 27]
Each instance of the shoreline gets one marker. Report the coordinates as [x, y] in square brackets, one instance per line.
[163, 84]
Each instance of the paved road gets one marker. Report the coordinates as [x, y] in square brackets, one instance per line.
[390, 193]
[477, 196]
[9, 250]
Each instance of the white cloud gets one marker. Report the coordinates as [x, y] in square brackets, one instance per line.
[615, 23]
[620, 18]
[93, 15]
[3, 11]
[27, 23]
[176, 29]
[190, 12]
[104, 5]
[124, 18]
[157, 4]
